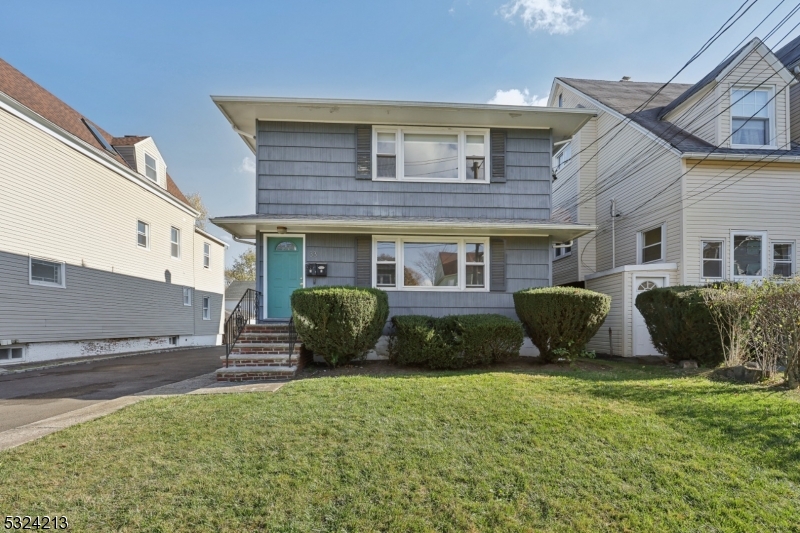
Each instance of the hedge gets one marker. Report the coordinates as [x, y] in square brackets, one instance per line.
[340, 324]
[680, 324]
[453, 342]
[561, 320]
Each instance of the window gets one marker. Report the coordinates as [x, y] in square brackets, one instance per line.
[751, 111]
[11, 353]
[173, 340]
[560, 100]
[748, 255]
[286, 246]
[142, 234]
[562, 157]
[175, 242]
[187, 296]
[150, 169]
[562, 251]
[712, 259]
[48, 273]
[431, 154]
[417, 263]
[783, 259]
[206, 308]
[206, 255]
[651, 245]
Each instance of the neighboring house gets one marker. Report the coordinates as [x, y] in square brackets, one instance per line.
[99, 252]
[695, 185]
[444, 206]
[234, 293]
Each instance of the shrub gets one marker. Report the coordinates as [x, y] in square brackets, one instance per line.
[457, 341]
[681, 324]
[339, 323]
[561, 320]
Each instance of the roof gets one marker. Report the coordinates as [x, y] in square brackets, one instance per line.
[790, 53]
[44, 103]
[128, 140]
[242, 112]
[236, 289]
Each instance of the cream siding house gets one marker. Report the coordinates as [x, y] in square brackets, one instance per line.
[687, 184]
[98, 244]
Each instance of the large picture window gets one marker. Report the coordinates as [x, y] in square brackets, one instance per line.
[748, 255]
[430, 154]
[424, 263]
[751, 113]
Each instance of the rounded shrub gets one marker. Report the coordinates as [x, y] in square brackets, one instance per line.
[561, 320]
[340, 324]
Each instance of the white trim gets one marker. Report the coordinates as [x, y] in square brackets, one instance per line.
[147, 234]
[206, 307]
[62, 274]
[399, 153]
[207, 255]
[756, 45]
[207, 235]
[634, 290]
[178, 243]
[704, 278]
[187, 291]
[265, 257]
[765, 263]
[460, 242]
[640, 244]
[10, 347]
[649, 267]
[559, 246]
[772, 244]
[154, 167]
[103, 158]
[772, 126]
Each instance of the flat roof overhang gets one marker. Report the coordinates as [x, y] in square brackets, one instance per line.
[246, 227]
[243, 111]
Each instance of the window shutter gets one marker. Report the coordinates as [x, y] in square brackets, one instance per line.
[498, 154]
[363, 262]
[364, 153]
[497, 281]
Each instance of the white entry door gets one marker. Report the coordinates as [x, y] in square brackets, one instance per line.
[642, 343]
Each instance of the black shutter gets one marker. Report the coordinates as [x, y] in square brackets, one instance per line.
[498, 154]
[364, 153]
[497, 281]
[363, 262]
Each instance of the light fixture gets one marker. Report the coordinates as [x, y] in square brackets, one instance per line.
[281, 229]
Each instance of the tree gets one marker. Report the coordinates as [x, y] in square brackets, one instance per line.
[196, 201]
[244, 267]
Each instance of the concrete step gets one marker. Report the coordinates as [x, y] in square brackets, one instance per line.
[260, 360]
[244, 373]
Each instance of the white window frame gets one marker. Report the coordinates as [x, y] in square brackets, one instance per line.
[721, 259]
[462, 158]
[206, 308]
[176, 243]
[187, 296]
[11, 347]
[560, 248]
[772, 141]
[146, 234]
[772, 257]
[62, 275]
[461, 242]
[765, 262]
[640, 245]
[154, 167]
[558, 162]
[207, 255]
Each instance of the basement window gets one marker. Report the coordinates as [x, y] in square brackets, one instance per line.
[12, 353]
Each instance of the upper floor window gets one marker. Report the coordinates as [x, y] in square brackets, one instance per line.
[206, 255]
[562, 251]
[430, 154]
[143, 234]
[150, 168]
[751, 117]
[44, 272]
[560, 100]
[562, 156]
[175, 242]
[651, 245]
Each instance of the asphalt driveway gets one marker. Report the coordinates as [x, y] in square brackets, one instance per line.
[29, 397]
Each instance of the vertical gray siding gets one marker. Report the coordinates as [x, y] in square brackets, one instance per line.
[95, 304]
[310, 169]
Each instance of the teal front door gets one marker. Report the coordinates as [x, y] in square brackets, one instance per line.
[284, 274]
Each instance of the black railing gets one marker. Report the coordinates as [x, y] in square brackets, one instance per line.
[246, 312]
[292, 339]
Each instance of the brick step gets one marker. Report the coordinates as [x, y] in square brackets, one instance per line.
[260, 359]
[284, 338]
[266, 328]
[274, 373]
[265, 348]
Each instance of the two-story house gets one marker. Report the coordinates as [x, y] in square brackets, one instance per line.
[447, 207]
[99, 250]
[687, 184]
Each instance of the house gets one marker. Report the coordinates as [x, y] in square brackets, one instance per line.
[234, 292]
[687, 184]
[447, 207]
[99, 250]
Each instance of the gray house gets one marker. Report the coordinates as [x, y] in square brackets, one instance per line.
[447, 207]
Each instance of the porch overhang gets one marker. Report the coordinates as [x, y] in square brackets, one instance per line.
[242, 112]
[245, 227]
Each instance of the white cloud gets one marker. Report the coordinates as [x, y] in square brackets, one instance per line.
[517, 97]
[552, 16]
[248, 165]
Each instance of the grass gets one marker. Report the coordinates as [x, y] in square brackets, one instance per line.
[618, 448]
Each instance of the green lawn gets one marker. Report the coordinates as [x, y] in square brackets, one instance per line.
[619, 448]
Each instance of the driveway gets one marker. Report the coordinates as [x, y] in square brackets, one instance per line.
[29, 397]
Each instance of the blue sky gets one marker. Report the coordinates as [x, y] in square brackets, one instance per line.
[148, 68]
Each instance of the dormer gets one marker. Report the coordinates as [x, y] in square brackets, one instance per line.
[142, 155]
[742, 104]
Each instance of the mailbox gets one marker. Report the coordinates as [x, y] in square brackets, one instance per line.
[318, 270]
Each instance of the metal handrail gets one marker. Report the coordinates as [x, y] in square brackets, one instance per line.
[292, 339]
[245, 312]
